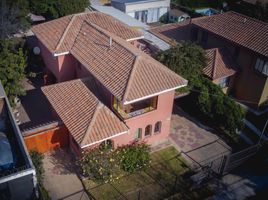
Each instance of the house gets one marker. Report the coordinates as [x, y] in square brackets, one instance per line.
[221, 68]
[176, 15]
[243, 37]
[17, 173]
[108, 91]
[121, 16]
[147, 11]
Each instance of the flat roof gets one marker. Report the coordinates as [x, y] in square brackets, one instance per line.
[120, 16]
[24, 164]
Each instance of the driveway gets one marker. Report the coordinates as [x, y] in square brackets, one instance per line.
[60, 178]
[197, 142]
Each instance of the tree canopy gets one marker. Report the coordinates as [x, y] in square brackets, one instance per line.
[12, 66]
[188, 60]
[52, 9]
[13, 14]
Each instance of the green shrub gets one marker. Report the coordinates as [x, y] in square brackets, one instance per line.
[134, 157]
[37, 159]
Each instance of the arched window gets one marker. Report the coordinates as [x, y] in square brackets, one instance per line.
[138, 134]
[148, 130]
[157, 127]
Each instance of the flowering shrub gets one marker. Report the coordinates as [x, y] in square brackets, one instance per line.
[101, 164]
[134, 157]
[106, 164]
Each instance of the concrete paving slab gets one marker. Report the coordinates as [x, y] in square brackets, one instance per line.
[60, 178]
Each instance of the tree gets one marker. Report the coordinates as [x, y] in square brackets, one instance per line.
[186, 59]
[13, 17]
[12, 66]
[52, 9]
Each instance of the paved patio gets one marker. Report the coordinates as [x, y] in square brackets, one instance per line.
[60, 178]
[197, 142]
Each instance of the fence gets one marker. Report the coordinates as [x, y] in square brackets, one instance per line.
[157, 182]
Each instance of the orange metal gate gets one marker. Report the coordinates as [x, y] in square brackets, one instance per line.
[47, 140]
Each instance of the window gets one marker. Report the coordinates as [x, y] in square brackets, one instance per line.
[157, 127]
[224, 82]
[138, 134]
[148, 130]
[262, 66]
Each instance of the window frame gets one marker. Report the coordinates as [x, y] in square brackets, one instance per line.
[225, 82]
[138, 134]
[150, 130]
[158, 125]
[261, 66]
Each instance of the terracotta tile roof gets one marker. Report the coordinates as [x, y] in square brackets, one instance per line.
[124, 70]
[87, 119]
[219, 64]
[59, 35]
[173, 32]
[237, 28]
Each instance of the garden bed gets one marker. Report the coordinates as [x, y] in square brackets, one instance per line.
[156, 182]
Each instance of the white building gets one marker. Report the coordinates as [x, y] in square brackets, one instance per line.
[148, 11]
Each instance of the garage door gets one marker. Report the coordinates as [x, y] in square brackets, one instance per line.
[47, 140]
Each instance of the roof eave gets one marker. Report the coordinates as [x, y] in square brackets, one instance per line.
[99, 141]
[155, 94]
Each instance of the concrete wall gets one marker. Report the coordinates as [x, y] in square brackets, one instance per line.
[147, 5]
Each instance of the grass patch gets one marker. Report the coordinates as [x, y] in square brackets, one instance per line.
[105, 191]
[164, 155]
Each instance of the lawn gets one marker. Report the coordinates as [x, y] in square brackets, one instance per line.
[155, 182]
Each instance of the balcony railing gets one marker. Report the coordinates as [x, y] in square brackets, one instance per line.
[135, 109]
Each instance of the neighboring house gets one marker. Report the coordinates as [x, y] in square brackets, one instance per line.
[113, 93]
[121, 16]
[149, 43]
[221, 68]
[147, 11]
[243, 37]
[17, 174]
[176, 15]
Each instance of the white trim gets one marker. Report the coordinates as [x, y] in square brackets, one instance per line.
[104, 139]
[17, 175]
[61, 54]
[132, 39]
[152, 95]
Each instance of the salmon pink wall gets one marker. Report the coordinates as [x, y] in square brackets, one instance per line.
[67, 67]
[162, 113]
[50, 61]
[63, 67]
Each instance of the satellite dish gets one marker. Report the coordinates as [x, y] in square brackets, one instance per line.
[36, 50]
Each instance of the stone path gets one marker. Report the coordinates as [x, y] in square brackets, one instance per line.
[195, 140]
[60, 178]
